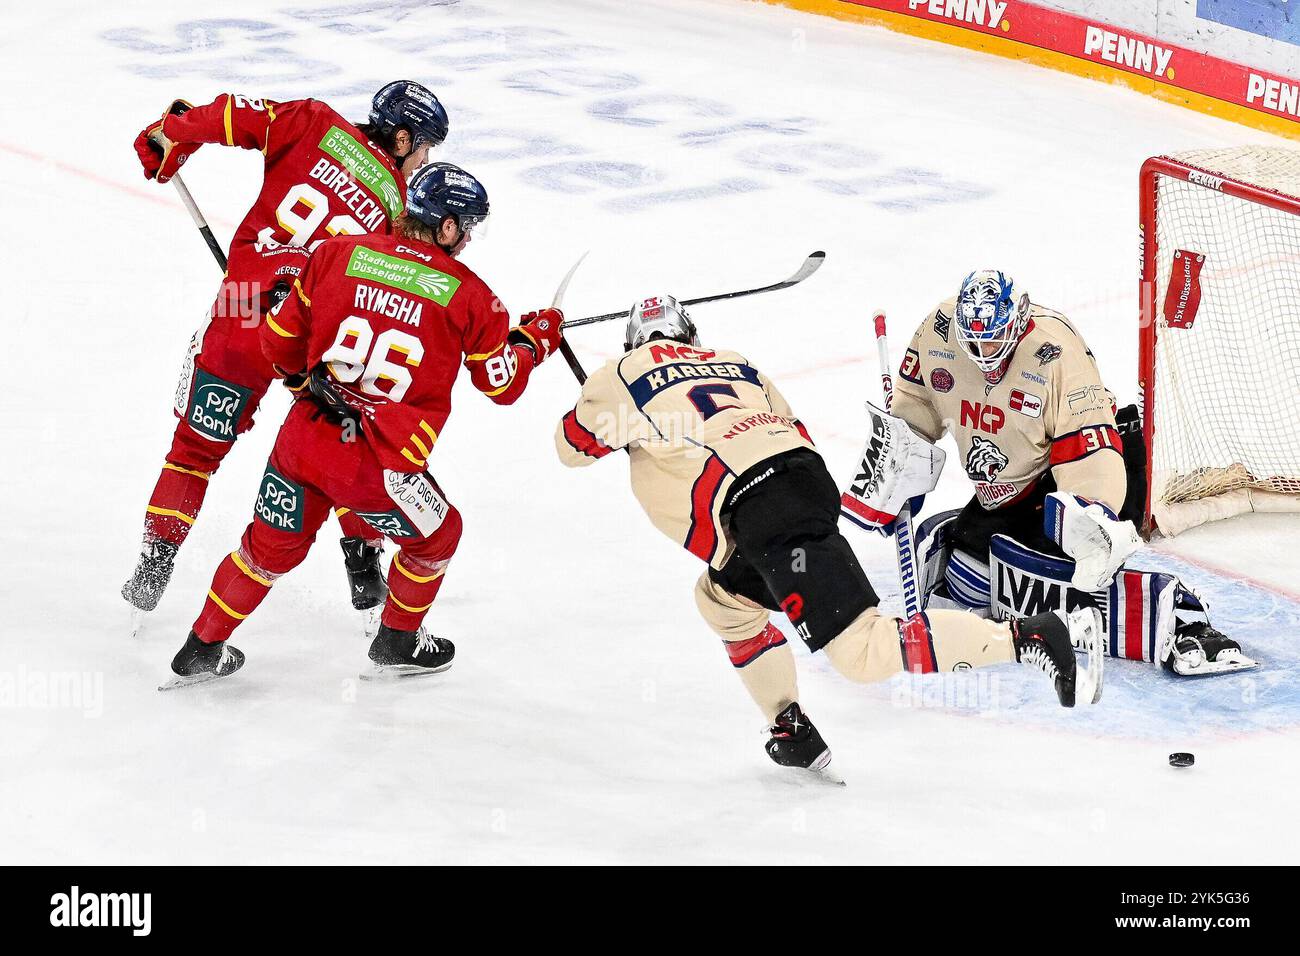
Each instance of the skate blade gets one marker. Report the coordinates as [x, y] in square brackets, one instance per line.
[389, 673]
[1088, 678]
[138, 619]
[370, 620]
[820, 772]
[827, 775]
[176, 683]
[1227, 663]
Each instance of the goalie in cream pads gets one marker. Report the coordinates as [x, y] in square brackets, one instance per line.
[1049, 526]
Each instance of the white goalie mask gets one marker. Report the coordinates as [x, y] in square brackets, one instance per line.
[659, 316]
[990, 322]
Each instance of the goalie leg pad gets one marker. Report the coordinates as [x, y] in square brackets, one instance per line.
[967, 581]
[1137, 608]
[933, 548]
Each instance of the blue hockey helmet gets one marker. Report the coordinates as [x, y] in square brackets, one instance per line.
[439, 190]
[405, 103]
[990, 322]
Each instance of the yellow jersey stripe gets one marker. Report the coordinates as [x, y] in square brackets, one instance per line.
[230, 132]
[418, 462]
[168, 466]
[169, 513]
[275, 327]
[413, 610]
[484, 355]
[415, 577]
[297, 287]
[266, 144]
[239, 563]
[415, 440]
[225, 607]
[433, 435]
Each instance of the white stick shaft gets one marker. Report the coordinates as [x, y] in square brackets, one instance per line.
[882, 354]
[189, 202]
[904, 543]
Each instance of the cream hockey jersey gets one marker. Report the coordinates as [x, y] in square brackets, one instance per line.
[692, 419]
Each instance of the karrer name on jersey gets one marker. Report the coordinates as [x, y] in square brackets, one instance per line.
[391, 304]
[344, 185]
[661, 378]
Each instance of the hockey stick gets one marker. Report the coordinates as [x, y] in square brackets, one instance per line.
[904, 543]
[565, 349]
[217, 252]
[192, 207]
[809, 266]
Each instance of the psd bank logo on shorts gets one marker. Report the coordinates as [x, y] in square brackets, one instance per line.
[215, 407]
[279, 503]
[392, 523]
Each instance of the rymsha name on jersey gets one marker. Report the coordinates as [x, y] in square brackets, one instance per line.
[368, 212]
[390, 304]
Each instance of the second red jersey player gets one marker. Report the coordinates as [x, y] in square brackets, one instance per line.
[380, 325]
[323, 177]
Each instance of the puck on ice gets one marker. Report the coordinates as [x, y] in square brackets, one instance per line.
[1181, 760]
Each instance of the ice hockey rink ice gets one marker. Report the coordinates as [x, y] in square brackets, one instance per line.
[590, 716]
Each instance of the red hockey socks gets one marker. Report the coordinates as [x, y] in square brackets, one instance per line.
[175, 503]
[237, 589]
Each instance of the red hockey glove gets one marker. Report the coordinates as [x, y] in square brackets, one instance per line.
[160, 157]
[540, 331]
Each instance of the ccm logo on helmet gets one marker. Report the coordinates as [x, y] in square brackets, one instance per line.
[985, 418]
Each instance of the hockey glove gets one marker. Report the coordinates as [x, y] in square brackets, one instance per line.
[540, 332]
[1090, 533]
[897, 466]
[160, 157]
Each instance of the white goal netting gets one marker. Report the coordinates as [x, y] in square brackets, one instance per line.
[1226, 374]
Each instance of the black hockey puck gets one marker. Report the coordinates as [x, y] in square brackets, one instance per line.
[1181, 760]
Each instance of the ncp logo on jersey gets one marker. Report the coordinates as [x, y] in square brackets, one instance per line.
[75, 909]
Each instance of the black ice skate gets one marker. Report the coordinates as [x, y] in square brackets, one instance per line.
[795, 742]
[197, 662]
[1047, 641]
[365, 577]
[154, 570]
[1199, 649]
[398, 654]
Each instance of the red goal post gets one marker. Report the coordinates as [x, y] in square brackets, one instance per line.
[1219, 346]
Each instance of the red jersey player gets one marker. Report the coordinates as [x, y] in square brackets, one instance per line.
[380, 325]
[323, 177]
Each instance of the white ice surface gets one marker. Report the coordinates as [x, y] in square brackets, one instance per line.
[590, 717]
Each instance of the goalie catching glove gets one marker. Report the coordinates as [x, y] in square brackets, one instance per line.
[1090, 533]
[897, 466]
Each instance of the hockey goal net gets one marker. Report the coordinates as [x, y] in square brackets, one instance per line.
[1219, 359]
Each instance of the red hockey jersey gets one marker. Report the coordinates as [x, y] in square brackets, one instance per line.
[322, 178]
[392, 320]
